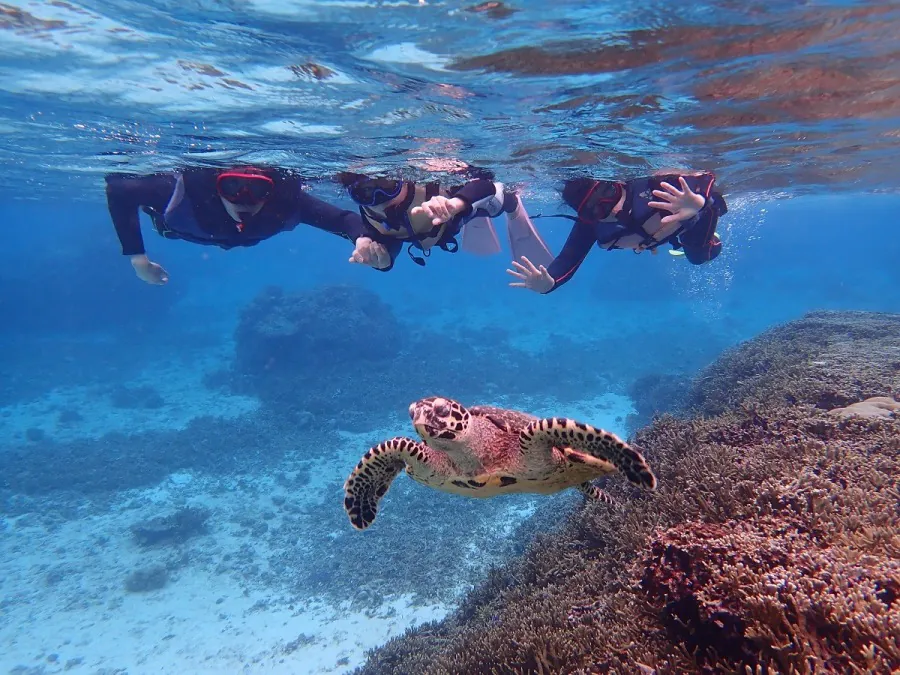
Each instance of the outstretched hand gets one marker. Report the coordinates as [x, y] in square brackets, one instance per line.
[683, 204]
[440, 209]
[533, 278]
[371, 253]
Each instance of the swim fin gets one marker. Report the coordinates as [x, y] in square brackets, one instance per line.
[524, 239]
[480, 237]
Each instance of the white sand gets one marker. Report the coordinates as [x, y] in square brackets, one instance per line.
[202, 621]
[62, 595]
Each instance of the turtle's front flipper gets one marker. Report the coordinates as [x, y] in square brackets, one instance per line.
[594, 493]
[541, 436]
[371, 478]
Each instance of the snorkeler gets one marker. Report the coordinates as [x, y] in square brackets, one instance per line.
[424, 216]
[218, 207]
[621, 215]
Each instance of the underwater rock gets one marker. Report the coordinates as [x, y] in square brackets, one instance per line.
[173, 529]
[771, 544]
[69, 416]
[136, 398]
[35, 435]
[147, 579]
[299, 642]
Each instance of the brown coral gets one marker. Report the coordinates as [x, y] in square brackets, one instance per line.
[767, 593]
[877, 406]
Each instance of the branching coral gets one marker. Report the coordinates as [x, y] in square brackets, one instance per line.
[768, 594]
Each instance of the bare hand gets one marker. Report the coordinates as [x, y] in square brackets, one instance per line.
[533, 278]
[149, 271]
[683, 204]
[371, 253]
[440, 209]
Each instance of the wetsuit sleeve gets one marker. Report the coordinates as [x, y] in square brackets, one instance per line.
[699, 243]
[125, 194]
[313, 211]
[481, 194]
[574, 251]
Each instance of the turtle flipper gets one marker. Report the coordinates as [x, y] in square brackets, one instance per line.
[594, 493]
[541, 436]
[371, 478]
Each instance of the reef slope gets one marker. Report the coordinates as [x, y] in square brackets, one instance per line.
[771, 546]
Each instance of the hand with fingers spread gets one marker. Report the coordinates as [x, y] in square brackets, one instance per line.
[683, 204]
[371, 253]
[440, 209]
[533, 278]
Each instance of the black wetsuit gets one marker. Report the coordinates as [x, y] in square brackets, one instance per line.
[476, 192]
[696, 238]
[286, 207]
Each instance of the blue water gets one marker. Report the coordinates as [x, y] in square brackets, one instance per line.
[794, 108]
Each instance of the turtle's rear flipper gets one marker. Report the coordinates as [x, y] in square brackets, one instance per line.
[371, 478]
[594, 493]
[559, 432]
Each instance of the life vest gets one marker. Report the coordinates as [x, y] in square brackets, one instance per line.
[638, 226]
[396, 222]
[178, 221]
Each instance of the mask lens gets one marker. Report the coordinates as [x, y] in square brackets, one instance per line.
[370, 192]
[244, 190]
[600, 201]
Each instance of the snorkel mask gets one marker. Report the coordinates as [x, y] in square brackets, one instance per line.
[599, 201]
[374, 191]
[244, 188]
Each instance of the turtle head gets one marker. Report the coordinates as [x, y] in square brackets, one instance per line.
[437, 418]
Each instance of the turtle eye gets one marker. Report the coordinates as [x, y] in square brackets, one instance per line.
[442, 410]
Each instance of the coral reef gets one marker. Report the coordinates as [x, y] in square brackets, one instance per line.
[338, 356]
[117, 461]
[135, 398]
[290, 334]
[771, 545]
[770, 594]
[828, 359]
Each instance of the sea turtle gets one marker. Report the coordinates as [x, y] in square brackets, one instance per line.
[484, 451]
